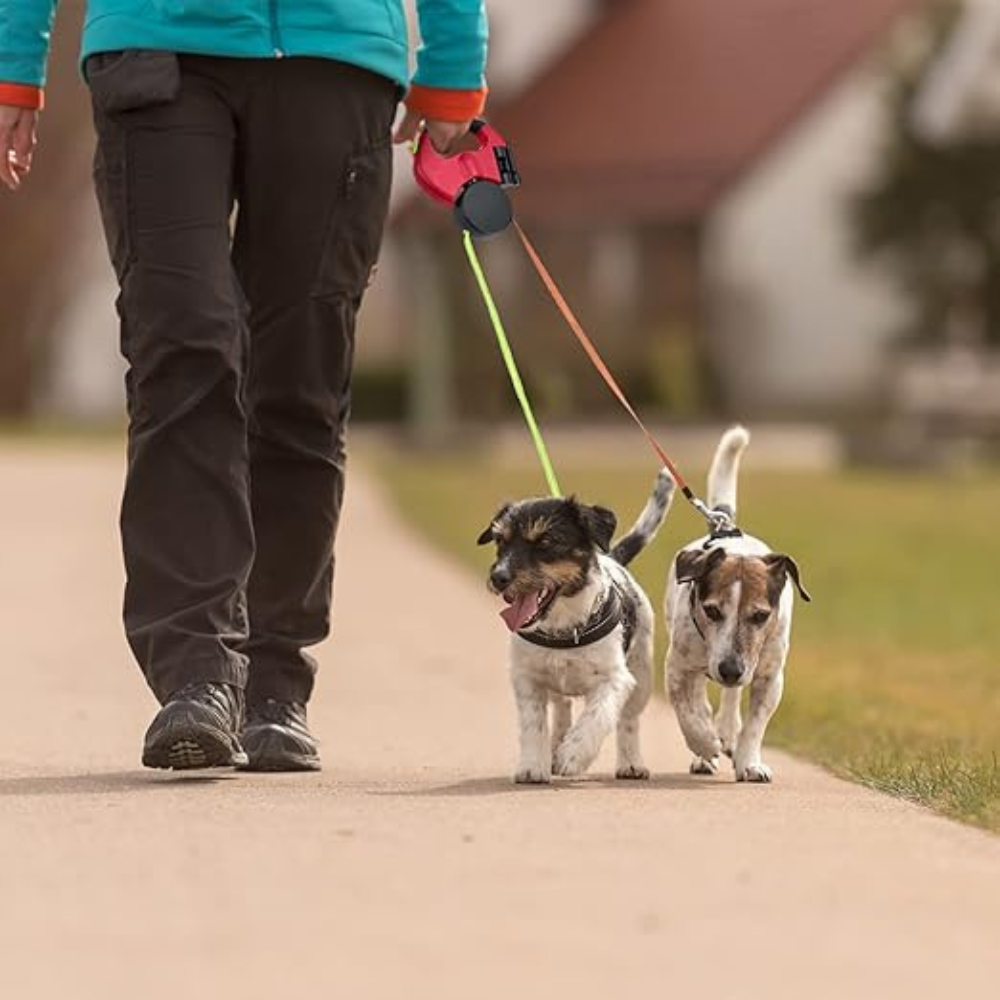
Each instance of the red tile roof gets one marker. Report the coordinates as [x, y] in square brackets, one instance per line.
[665, 102]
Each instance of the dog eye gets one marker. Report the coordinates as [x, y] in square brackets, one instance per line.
[759, 617]
[544, 543]
[712, 612]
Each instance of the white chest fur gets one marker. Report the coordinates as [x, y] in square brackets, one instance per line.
[574, 672]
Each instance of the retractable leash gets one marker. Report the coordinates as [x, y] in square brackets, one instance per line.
[508, 357]
[473, 184]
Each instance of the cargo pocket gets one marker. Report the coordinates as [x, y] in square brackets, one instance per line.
[354, 227]
[132, 79]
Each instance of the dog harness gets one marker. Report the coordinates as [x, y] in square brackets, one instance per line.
[613, 611]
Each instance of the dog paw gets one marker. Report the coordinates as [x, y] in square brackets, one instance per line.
[532, 776]
[702, 765]
[569, 760]
[632, 772]
[759, 774]
[707, 748]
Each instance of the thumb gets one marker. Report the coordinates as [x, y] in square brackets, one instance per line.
[408, 128]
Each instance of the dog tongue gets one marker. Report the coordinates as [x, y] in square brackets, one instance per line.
[521, 610]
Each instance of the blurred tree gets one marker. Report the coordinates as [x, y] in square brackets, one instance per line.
[36, 223]
[933, 210]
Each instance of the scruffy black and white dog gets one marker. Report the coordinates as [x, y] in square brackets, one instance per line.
[581, 628]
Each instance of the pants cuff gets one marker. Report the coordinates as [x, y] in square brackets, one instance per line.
[171, 677]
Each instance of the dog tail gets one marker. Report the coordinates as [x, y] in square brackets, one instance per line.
[645, 528]
[725, 467]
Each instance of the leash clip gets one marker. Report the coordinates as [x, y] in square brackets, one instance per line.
[720, 523]
[718, 520]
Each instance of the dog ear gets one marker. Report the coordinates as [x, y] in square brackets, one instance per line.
[489, 535]
[779, 568]
[600, 524]
[694, 564]
[687, 565]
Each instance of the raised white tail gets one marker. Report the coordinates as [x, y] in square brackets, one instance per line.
[725, 468]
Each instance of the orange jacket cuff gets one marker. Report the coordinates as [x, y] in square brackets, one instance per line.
[446, 105]
[21, 95]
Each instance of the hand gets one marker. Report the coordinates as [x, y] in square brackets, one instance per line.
[17, 143]
[445, 136]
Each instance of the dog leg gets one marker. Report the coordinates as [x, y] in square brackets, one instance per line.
[765, 695]
[562, 719]
[694, 716]
[630, 764]
[601, 712]
[727, 719]
[532, 712]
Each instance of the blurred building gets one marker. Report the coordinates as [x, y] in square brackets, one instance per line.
[688, 167]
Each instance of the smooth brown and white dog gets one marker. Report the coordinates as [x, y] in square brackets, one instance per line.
[729, 610]
[581, 627]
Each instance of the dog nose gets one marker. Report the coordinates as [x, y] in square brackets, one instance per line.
[500, 577]
[730, 671]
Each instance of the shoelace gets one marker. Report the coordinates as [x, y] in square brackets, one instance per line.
[279, 713]
[219, 697]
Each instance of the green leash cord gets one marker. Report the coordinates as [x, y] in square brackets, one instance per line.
[508, 357]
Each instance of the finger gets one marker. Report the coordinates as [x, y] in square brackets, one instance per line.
[442, 137]
[407, 129]
[24, 141]
[446, 136]
[8, 176]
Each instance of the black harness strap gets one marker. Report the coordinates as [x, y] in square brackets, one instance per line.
[719, 532]
[694, 617]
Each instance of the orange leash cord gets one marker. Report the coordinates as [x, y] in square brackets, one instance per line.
[715, 518]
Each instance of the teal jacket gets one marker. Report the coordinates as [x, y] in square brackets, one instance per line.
[448, 82]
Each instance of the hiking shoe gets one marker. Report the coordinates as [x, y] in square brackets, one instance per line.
[277, 738]
[197, 727]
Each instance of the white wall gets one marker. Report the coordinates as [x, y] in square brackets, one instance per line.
[795, 319]
[85, 380]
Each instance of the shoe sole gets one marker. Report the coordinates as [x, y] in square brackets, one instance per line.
[185, 745]
[270, 753]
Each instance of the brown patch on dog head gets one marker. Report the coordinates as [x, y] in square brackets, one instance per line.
[566, 574]
[754, 581]
[536, 529]
[719, 575]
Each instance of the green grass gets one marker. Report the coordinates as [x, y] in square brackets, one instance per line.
[894, 675]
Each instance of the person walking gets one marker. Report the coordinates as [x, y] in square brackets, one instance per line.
[242, 168]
